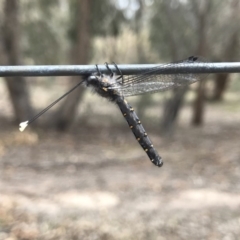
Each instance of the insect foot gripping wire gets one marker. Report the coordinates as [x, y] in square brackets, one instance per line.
[104, 85]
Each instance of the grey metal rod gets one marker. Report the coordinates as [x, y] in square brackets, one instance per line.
[76, 70]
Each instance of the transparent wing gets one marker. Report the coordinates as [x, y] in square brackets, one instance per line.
[154, 81]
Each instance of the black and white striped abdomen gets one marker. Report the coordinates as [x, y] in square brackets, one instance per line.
[138, 130]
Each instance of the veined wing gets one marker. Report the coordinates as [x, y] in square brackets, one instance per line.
[154, 80]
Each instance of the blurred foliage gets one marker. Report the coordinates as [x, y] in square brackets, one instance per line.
[171, 27]
[47, 35]
[106, 18]
[43, 37]
[174, 31]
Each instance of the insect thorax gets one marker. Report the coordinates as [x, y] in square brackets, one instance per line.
[103, 85]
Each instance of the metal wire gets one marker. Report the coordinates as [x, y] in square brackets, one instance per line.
[76, 70]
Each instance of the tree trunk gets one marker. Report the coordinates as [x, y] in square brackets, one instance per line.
[141, 56]
[229, 53]
[17, 86]
[173, 105]
[220, 86]
[198, 106]
[171, 110]
[80, 55]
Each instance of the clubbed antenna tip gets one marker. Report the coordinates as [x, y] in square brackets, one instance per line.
[23, 125]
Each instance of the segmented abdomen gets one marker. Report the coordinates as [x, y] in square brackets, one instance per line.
[138, 130]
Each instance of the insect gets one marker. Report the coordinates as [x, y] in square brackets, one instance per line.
[115, 87]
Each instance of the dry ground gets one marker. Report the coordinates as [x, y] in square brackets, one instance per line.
[95, 182]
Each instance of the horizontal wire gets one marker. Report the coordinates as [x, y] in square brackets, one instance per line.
[126, 69]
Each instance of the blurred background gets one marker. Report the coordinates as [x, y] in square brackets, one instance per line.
[78, 172]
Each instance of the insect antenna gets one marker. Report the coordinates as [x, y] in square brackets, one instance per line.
[23, 125]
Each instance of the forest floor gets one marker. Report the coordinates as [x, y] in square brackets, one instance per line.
[95, 182]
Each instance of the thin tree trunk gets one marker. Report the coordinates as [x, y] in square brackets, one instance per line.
[80, 55]
[17, 86]
[222, 79]
[220, 86]
[198, 106]
[138, 29]
[171, 110]
[172, 105]
[229, 53]
[143, 101]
